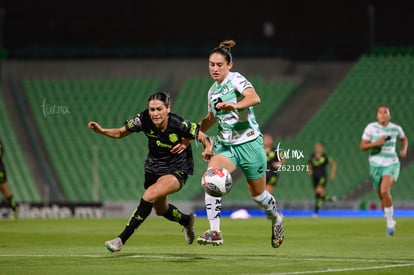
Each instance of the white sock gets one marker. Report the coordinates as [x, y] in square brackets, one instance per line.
[389, 215]
[268, 203]
[213, 209]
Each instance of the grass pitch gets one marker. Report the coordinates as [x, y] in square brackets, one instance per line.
[324, 245]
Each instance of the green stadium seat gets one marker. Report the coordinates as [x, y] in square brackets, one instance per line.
[21, 181]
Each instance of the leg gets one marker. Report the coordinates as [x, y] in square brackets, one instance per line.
[264, 199]
[270, 188]
[319, 197]
[213, 205]
[161, 205]
[172, 213]
[9, 197]
[386, 201]
[156, 191]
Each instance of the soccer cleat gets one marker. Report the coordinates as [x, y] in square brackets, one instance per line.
[278, 233]
[390, 228]
[114, 245]
[189, 230]
[211, 237]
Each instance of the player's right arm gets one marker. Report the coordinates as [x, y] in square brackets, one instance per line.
[109, 132]
[207, 122]
[366, 142]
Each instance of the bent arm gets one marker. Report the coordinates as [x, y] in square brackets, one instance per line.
[404, 146]
[366, 144]
[250, 98]
[333, 169]
[207, 122]
[109, 132]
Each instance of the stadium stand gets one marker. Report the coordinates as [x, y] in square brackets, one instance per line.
[20, 179]
[91, 167]
[375, 79]
[94, 168]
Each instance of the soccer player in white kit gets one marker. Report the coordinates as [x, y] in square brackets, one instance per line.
[239, 141]
[381, 138]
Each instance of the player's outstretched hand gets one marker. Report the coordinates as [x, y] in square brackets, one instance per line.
[180, 147]
[95, 126]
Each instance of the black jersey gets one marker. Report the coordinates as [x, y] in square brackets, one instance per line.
[160, 160]
[319, 165]
[1, 154]
[271, 158]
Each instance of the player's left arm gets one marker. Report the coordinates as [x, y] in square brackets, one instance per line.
[404, 146]
[250, 98]
[332, 163]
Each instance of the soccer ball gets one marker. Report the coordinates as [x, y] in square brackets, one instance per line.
[217, 181]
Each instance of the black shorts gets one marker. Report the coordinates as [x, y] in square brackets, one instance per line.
[272, 178]
[150, 178]
[3, 175]
[322, 180]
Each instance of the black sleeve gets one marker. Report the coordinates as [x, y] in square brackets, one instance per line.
[310, 160]
[134, 123]
[189, 129]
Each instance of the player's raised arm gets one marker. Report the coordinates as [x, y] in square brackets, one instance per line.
[109, 132]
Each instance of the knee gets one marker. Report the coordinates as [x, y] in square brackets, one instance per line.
[384, 193]
[150, 195]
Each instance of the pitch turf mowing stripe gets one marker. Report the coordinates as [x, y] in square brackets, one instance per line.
[205, 256]
[331, 270]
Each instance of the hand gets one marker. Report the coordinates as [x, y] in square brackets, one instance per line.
[403, 153]
[207, 154]
[180, 147]
[226, 106]
[95, 126]
[380, 141]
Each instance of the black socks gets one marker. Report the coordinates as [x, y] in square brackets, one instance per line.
[175, 215]
[140, 214]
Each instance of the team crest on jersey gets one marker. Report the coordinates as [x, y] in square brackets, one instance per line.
[173, 138]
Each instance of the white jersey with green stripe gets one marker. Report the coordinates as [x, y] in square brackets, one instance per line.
[237, 126]
[386, 154]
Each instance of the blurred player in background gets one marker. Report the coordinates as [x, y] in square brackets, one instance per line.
[239, 142]
[318, 170]
[381, 138]
[167, 165]
[273, 163]
[3, 184]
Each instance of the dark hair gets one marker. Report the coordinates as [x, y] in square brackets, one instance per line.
[383, 106]
[162, 96]
[224, 49]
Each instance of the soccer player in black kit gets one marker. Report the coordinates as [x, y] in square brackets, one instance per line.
[317, 168]
[3, 183]
[167, 165]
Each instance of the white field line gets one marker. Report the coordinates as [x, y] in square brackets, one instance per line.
[330, 270]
